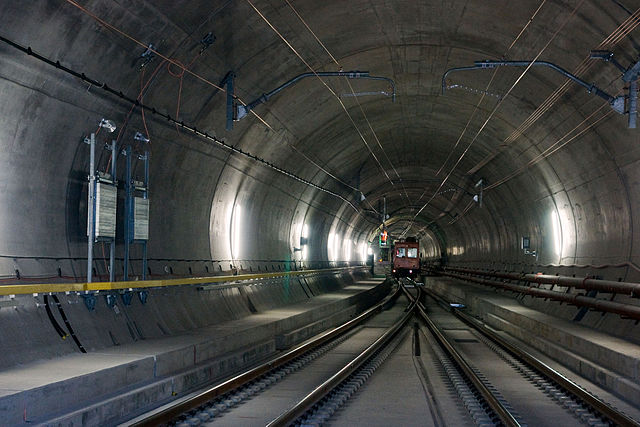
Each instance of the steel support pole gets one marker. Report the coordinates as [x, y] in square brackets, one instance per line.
[91, 207]
[146, 196]
[128, 210]
[112, 249]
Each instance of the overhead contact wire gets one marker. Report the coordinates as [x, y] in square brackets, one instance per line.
[526, 70]
[548, 152]
[354, 95]
[156, 52]
[524, 28]
[475, 110]
[551, 150]
[615, 37]
[133, 39]
[171, 120]
[293, 49]
[185, 69]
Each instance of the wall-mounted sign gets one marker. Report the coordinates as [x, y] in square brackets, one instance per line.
[384, 239]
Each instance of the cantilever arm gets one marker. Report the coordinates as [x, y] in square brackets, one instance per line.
[452, 70]
[617, 103]
[590, 87]
[243, 110]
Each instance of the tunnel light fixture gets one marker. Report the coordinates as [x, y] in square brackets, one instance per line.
[235, 232]
[347, 249]
[557, 233]
[363, 251]
[330, 251]
[304, 241]
[333, 247]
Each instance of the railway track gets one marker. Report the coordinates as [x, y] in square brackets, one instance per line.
[468, 376]
[222, 402]
[513, 386]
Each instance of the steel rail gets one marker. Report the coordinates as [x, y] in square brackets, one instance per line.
[602, 407]
[625, 310]
[628, 288]
[169, 414]
[157, 283]
[503, 413]
[300, 408]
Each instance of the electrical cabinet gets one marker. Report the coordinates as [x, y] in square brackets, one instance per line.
[105, 216]
[140, 218]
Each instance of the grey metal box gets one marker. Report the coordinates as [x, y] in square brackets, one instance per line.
[106, 201]
[140, 218]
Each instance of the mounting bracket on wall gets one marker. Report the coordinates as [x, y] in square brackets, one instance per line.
[228, 81]
[241, 111]
[480, 187]
[147, 56]
[89, 301]
[206, 42]
[629, 75]
[617, 103]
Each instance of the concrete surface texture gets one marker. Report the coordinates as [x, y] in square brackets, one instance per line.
[577, 204]
[544, 158]
[113, 383]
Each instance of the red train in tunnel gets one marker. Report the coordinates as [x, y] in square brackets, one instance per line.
[406, 258]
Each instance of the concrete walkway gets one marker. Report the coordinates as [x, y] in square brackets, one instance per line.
[136, 377]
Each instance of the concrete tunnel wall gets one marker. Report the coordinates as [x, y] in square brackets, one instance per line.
[591, 183]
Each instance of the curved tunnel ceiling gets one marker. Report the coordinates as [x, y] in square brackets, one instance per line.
[557, 163]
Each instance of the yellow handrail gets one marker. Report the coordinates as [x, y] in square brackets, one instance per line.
[131, 284]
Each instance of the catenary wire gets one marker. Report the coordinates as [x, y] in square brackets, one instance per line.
[182, 124]
[475, 110]
[324, 47]
[551, 150]
[610, 41]
[493, 111]
[293, 49]
[184, 69]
